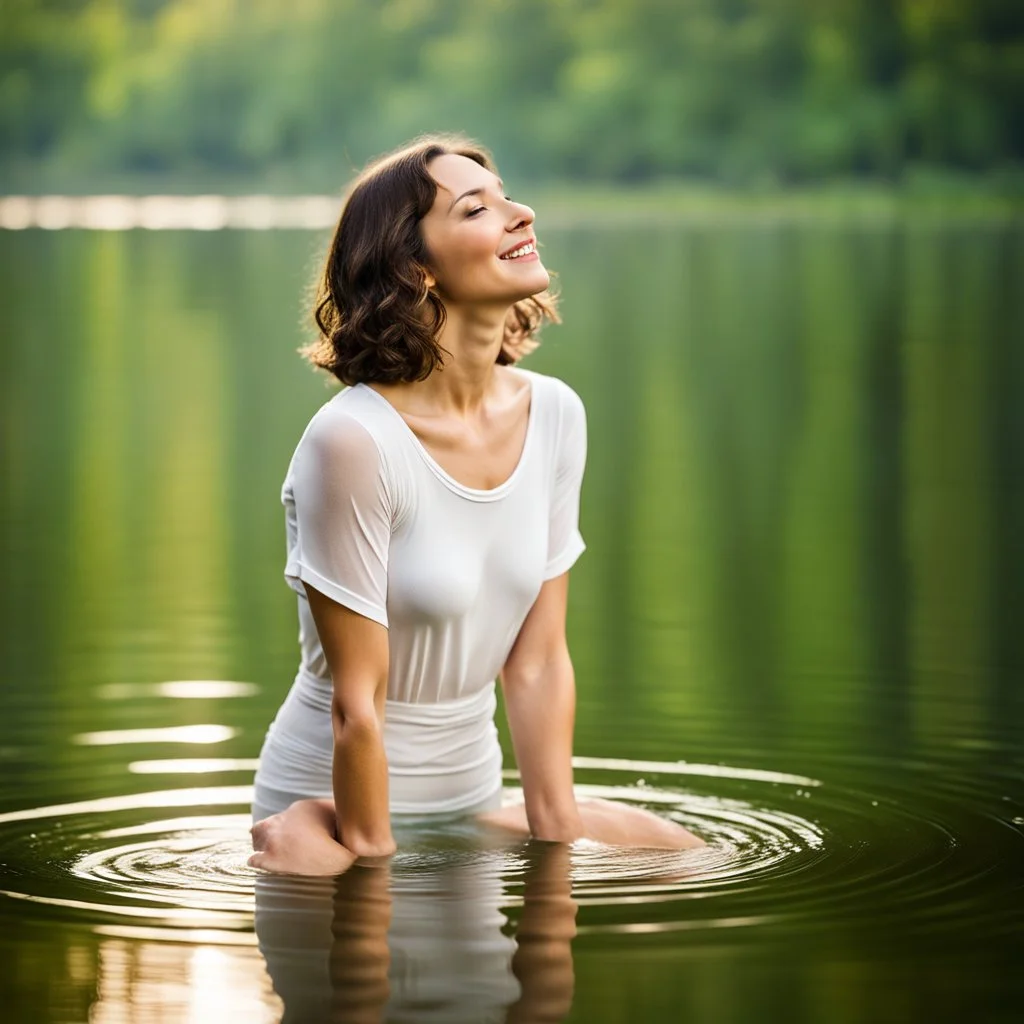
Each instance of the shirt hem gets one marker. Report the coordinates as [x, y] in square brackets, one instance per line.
[565, 561]
[297, 573]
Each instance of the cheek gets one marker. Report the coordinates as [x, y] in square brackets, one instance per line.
[466, 267]
[468, 247]
[475, 248]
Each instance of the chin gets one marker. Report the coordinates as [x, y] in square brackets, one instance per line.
[506, 291]
[539, 283]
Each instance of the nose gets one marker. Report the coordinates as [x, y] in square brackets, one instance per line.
[520, 216]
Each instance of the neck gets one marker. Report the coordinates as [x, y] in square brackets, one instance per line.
[472, 340]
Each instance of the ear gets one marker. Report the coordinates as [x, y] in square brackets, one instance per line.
[429, 278]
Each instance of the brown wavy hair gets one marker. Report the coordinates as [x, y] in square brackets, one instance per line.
[377, 319]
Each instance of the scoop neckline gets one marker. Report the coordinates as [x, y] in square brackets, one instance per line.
[473, 493]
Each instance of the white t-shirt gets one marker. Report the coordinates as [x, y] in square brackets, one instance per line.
[374, 522]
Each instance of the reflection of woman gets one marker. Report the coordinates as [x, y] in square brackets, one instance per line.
[431, 520]
[423, 945]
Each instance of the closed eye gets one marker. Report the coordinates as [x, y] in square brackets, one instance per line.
[479, 209]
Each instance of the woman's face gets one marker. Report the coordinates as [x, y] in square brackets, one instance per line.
[471, 232]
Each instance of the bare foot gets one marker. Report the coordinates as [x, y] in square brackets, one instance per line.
[300, 841]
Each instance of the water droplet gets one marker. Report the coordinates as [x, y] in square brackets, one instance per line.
[1018, 820]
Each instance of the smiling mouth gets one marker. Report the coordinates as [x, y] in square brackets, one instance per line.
[529, 249]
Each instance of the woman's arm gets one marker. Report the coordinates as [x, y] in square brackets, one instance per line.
[356, 649]
[540, 701]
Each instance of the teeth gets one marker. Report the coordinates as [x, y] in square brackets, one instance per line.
[523, 250]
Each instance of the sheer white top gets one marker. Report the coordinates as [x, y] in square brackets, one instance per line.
[374, 522]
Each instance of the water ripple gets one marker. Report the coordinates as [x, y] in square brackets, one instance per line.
[782, 849]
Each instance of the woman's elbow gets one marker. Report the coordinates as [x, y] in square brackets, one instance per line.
[354, 719]
[525, 670]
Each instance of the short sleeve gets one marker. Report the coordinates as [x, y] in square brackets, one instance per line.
[565, 543]
[338, 516]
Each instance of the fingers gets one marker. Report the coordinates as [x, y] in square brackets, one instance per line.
[259, 834]
[297, 841]
[267, 835]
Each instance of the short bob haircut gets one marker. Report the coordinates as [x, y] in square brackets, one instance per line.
[377, 319]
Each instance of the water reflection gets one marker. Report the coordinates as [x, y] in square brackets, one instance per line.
[543, 961]
[188, 984]
[426, 943]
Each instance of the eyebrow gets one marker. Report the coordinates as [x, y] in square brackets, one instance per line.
[472, 192]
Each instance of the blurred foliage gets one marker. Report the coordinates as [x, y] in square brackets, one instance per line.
[625, 91]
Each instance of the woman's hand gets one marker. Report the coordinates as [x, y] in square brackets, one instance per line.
[300, 841]
[605, 821]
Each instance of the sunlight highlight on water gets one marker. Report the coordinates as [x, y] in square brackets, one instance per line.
[171, 734]
[179, 689]
[193, 765]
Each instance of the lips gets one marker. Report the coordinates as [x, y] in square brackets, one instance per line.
[523, 248]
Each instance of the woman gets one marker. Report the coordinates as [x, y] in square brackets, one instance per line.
[432, 520]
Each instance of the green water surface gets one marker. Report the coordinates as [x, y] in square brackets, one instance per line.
[799, 624]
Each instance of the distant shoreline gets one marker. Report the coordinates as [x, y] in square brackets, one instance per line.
[557, 206]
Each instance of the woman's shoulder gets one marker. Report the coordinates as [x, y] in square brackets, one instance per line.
[551, 390]
[351, 439]
[355, 415]
[346, 433]
[560, 410]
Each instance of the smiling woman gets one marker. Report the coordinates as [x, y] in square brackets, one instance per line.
[380, 309]
[431, 515]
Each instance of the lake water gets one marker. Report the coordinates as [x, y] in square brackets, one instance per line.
[798, 630]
